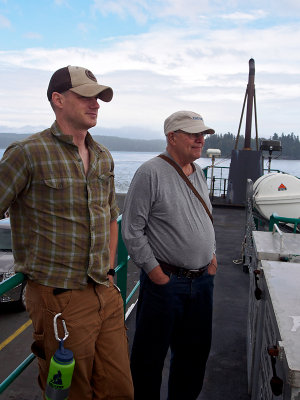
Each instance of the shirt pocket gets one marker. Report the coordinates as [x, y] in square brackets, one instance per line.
[56, 193]
[57, 183]
[105, 184]
[106, 176]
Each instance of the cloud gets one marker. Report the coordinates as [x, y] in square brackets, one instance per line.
[193, 11]
[4, 22]
[144, 11]
[138, 9]
[245, 17]
[82, 27]
[61, 2]
[33, 35]
[155, 73]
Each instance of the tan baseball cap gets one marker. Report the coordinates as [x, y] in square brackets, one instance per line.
[79, 80]
[187, 121]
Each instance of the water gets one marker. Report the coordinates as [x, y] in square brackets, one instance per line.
[127, 162]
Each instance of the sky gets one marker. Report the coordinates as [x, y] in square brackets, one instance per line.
[159, 56]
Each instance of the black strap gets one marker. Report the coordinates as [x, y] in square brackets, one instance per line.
[188, 182]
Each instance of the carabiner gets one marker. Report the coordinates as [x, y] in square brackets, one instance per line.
[55, 328]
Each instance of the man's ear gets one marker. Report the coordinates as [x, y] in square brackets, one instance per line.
[171, 137]
[57, 99]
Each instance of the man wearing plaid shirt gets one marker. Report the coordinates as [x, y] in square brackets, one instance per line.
[59, 187]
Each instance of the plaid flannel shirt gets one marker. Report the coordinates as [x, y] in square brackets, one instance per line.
[60, 217]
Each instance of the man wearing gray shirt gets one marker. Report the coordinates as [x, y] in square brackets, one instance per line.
[169, 234]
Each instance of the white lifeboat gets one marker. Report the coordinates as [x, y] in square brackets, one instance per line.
[277, 193]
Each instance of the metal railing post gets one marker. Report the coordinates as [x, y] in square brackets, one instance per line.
[28, 360]
[12, 282]
[275, 218]
[122, 262]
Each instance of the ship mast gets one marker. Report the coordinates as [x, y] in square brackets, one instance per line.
[247, 163]
[250, 95]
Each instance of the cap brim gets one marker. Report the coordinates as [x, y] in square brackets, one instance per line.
[197, 128]
[105, 93]
[209, 131]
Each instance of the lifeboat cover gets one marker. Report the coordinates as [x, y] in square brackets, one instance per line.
[277, 193]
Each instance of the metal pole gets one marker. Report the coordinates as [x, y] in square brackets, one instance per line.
[240, 124]
[212, 174]
[250, 91]
[255, 115]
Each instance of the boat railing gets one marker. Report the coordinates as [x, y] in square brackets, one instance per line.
[218, 183]
[255, 222]
[121, 280]
[275, 219]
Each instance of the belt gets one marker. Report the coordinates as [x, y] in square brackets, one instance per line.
[57, 291]
[183, 272]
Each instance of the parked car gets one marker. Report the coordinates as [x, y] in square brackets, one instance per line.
[17, 294]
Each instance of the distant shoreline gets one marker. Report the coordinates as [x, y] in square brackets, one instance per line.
[114, 143]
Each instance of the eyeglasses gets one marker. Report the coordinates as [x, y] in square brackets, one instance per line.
[193, 135]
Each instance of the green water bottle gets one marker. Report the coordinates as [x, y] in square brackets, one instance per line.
[60, 374]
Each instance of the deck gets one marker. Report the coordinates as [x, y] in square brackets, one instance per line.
[226, 375]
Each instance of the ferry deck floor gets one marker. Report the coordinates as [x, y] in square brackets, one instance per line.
[226, 373]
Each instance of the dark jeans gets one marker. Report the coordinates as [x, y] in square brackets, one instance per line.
[176, 315]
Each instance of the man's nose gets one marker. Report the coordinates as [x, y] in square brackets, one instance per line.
[200, 138]
[94, 102]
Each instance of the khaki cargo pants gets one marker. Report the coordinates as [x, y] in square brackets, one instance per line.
[97, 337]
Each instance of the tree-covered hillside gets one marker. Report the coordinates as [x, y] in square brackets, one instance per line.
[225, 142]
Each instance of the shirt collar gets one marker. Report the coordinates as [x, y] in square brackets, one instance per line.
[55, 130]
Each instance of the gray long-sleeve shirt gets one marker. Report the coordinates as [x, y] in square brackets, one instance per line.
[163, 219]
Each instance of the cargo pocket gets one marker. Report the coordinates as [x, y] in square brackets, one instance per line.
[38, 350]
[37, 346]
[59, 303]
